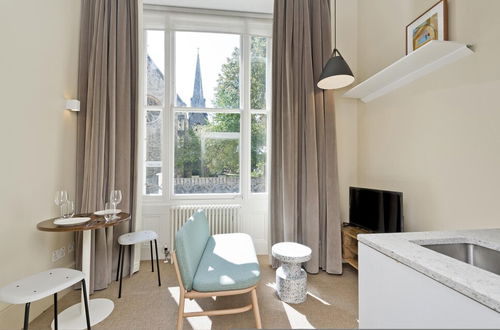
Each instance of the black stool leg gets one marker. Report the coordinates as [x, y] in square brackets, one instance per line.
[26, 316]
[157, 263]
[55, 311]
[151, 249]
[119, 259]
[121, 273]
[85, 300]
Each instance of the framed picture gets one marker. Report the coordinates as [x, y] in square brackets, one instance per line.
[431, 25]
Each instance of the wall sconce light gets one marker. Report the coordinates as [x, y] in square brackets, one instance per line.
[73, 105]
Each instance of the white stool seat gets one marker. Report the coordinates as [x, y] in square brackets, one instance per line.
[40, 285]
[137, 237]
[291, 252]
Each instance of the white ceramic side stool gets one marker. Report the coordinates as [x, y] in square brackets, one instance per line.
[291, 279]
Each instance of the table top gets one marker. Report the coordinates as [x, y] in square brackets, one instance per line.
[95, 222]
[291, 252]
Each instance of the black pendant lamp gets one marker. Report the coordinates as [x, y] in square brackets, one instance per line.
[336, 73]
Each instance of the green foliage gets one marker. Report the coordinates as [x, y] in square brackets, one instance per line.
[221, 157]
[258, 151]
[258, 73]
[187, 154]
[225, 122]
[258, 101]
[227, 96]
[227, 92]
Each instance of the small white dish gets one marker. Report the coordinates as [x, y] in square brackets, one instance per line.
[70, 221]
[110, 211]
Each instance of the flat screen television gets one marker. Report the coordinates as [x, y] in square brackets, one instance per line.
[377, 210]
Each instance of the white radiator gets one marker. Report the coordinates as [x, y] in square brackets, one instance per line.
[222, 218]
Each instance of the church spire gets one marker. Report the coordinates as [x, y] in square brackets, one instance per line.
[198, 101]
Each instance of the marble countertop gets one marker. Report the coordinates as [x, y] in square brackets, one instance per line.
[478, 284]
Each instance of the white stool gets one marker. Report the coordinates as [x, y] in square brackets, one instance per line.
[136, 238]
[291, 279]
[41, 285]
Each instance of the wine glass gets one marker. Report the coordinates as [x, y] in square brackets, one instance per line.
[60, 199]
[68, 209]
[115, 198]
[109, 212]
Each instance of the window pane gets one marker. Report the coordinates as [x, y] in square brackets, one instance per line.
[258, 153]
[153, 180]
[207, 70]
[155, 66]
[207, 153]
[153, 152]
[258, 66]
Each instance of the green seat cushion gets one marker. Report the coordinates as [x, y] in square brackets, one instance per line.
[190, 242]
[229, 262]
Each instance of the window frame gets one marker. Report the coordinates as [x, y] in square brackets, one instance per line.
[168, 109]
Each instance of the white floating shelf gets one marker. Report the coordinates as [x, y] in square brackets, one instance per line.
[424, 60]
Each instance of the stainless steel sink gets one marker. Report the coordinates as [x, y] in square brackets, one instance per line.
[476, 255]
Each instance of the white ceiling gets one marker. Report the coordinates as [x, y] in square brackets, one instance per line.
[254, 6]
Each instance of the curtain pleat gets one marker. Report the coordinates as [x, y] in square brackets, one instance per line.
[304, 174]
[106, 137]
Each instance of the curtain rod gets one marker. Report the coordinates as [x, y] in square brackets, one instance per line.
[205, 11]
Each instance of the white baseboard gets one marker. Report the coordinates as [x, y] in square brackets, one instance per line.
[137, 266]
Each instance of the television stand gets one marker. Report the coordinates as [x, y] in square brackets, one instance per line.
[350, 243]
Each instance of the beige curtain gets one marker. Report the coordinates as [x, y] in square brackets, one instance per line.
[106, 140]
[304, 178]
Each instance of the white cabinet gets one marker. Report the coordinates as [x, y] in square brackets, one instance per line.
[393, 295]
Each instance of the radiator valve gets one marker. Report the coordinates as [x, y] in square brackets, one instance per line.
[167, 254]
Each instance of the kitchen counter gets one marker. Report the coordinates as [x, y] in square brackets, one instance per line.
[475, 283]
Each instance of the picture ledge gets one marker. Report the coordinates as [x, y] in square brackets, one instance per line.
[419, 63]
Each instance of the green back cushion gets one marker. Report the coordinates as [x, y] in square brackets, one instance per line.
[190, 243]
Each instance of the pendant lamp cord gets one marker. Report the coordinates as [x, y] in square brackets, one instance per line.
[335, 35]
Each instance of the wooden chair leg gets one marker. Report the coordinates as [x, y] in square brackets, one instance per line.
[256, 311]
[180, 316]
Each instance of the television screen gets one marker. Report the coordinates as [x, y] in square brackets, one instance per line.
[377, 210]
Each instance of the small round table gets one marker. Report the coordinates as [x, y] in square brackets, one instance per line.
[291, 279]
[74, 316]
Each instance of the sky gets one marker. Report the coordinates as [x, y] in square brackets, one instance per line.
[214, 49]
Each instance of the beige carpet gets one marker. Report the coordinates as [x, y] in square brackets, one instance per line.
[332, 303]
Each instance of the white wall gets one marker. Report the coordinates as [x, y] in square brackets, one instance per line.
[38, 65]
[437, 139]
